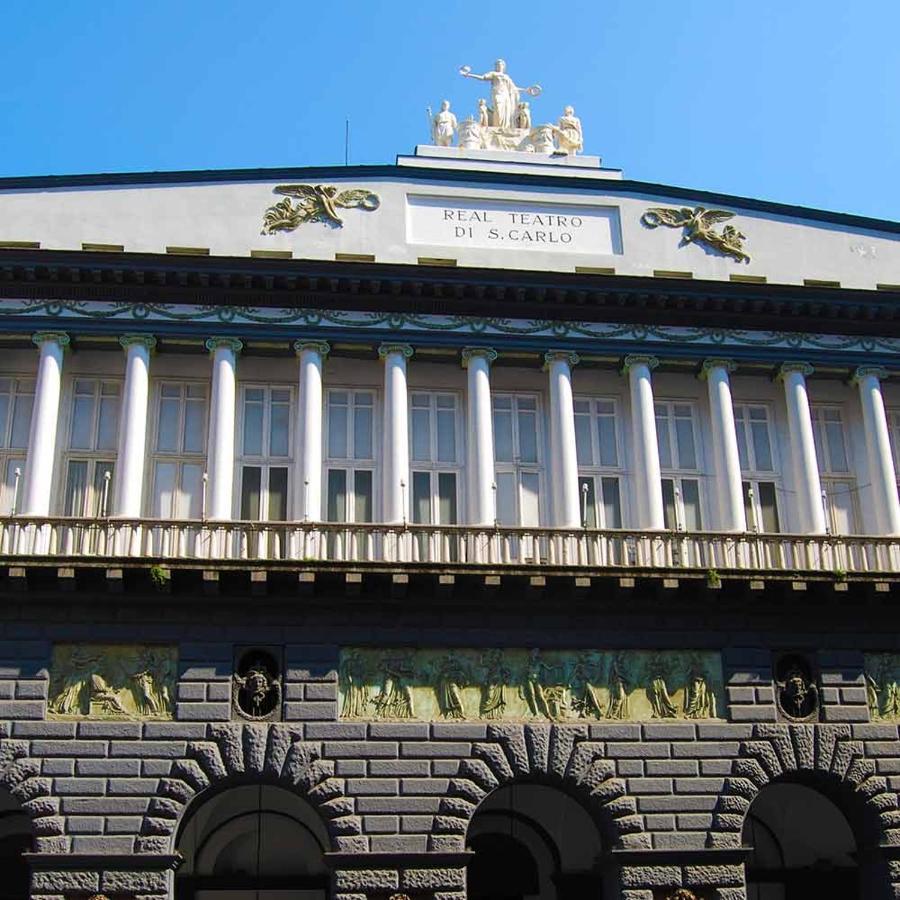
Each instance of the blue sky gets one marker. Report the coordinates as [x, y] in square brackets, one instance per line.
[789, 100]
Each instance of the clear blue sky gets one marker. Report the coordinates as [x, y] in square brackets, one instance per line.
[790, 100]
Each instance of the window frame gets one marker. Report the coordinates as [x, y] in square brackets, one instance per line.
[678, 474]
[596, 471]
[12, 458]
[516, 467]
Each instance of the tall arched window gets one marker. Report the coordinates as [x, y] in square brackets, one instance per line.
[252, 842]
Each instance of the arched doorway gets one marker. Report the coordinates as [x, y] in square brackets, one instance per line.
[252, 842]
[15, 839]
[802, 844]
[533, 842]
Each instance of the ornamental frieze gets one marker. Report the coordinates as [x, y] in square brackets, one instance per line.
[883, 686]
[520, 684]
[112, 681]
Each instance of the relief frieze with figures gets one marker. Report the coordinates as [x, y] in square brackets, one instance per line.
[520, 684]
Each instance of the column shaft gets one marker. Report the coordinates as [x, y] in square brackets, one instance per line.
[44, 418]
[733, 516]
[396, 432]
[482, 509]
[220, 448]
[647, 483]
[564, 456]
[129, 487]
[309, 429]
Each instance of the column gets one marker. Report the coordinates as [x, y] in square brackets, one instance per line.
[44, 417]
[309, 428]
[482, 505]
[647, 483]
[396, 432]
[803, 448]
[730, 488]
[878, 443]
[564, 457]
[220, 447]
[133, 425]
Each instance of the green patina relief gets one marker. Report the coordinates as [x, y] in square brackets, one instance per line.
[519, 684]
[883, 685]
[112, 681]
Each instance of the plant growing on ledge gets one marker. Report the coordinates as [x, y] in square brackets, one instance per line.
[840, 574]
[160, 578]
[713, 579]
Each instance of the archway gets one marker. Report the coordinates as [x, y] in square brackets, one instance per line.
[803, 846]
[532, 842]
[16, 838]
[252, 842]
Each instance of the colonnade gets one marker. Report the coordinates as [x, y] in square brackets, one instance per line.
[563, 467]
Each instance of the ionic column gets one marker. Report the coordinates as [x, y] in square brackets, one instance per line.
[647, 484]
[564, 457]
[733, 516]
[309, 428]
[881, 461]
[396, 431]
[44, 418]
[133, 425]
[220, 447]
[803, 447]
[482, 507]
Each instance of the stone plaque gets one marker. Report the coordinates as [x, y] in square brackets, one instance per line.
[112, 681]
[518, 684]
[512, 225]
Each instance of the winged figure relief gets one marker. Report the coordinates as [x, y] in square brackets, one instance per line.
[698, 228]
[314, 203]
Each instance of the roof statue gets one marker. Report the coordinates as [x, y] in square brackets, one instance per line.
[505, 124]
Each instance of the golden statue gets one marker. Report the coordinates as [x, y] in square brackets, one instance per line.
[698, 228]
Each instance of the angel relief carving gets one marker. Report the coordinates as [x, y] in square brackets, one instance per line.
[698, 228]
[314, 203]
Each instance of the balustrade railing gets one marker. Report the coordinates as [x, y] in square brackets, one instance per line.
[181, 540]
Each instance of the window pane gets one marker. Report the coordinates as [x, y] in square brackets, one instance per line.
[530, 500]
[103, 488]
[668, 492]
[163, 506]
[9, 499]
[606, 434]
[583, 447]
[762, 450]
[76, 488]
[840, 502]
[250, 493]
[279, 428]
[195, 426]
[662, 437]
[362, 432]
[362, 490]
[503, 438]
[421, 499]
[167, 430]
[690, 500]
[336, 505]
[527, 435]
[337, 431]
[278, 493]
[21, 421]
[684, 432]
[82, 423]
[837, 452]
[741, 434]
[253, 423]
[447, 498]
[612, 503]
[190, 500]
[4, 415]
[749, 511]
[421, 434]
[768, 506]
[588, 498]
[108, 427]
[446, 433]
[506, 498]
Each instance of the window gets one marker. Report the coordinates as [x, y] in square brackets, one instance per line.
[179, 457]
[597, 448]
[16, 402]
[754, 440]
[93, 439]
[676, 433]
[265, 453]
[350, 463]
[517, 458]
[434, 458]
[838, 485]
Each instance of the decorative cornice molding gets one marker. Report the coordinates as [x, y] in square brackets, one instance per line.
[233, 344]
[879, 372]
[323, 348]
[132, 340]
[478, 353]
[386, 349]
[792, 368]
[566, 356]
[651, 362]
[729, 365]
[44, 337]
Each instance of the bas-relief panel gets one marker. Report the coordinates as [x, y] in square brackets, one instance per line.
[883, 685]
[112, 681]
[519, 684]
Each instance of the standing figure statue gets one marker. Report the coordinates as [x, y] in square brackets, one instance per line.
[484, 113]
[443, 126]
[568, 131]
[523, 116]
[504, 93]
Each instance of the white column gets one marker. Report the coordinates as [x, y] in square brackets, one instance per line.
[482, 506]
[133, 425]
[564, 457]
[729, 487]
[878, 443]
[309, 429]
[44, 418]
[647, 483]
[803, 447]
[396, 432]
[220, 447]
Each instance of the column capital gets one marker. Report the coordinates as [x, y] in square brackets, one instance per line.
[729, 365]
[651, 362]
[323, 348]
[790, 368]
[566, 356]
[478, 353]
[137, 340]
[230, 343]
[879, 372]
[44, 337]
[386, 349]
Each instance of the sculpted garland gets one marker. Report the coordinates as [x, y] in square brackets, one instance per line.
[558, 686]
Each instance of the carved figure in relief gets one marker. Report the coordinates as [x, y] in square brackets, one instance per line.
[71, 699]
[660, 701]
[541, 139]
[353, 687]
[533, 689]
[523, 116]
[452, 677]
[315, 203]
[395, 697]
[798, 695]
[257, 692]
[443, 126]
[484, 113]
[106, 697]
[617, 708]
[872, 697]
[470, 135]
[585, 699]
[504, 93]
[698, 228]
[496, 677]
[568, 132]
[699, 698]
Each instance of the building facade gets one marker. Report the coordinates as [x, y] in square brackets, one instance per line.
[490, 525]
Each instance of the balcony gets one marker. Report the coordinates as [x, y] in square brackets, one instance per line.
[57, 540]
